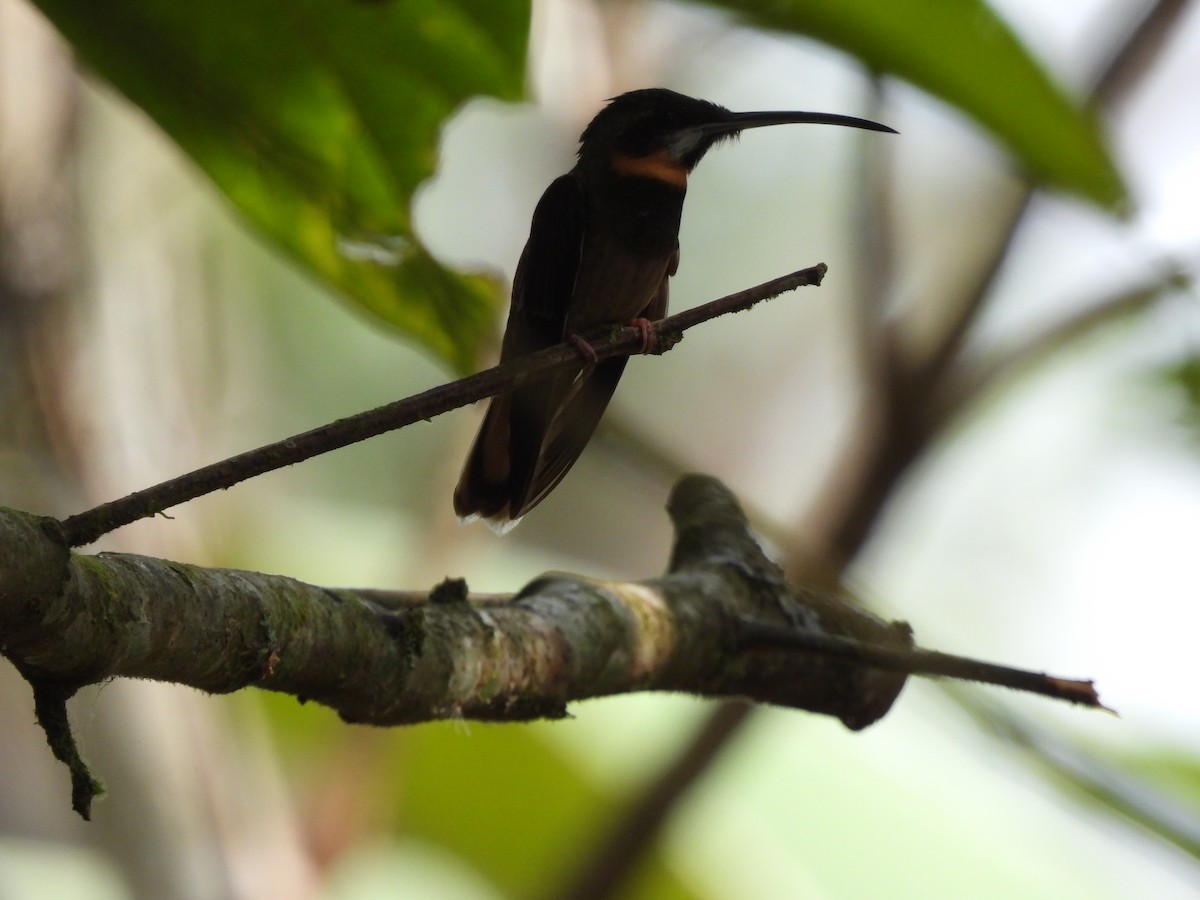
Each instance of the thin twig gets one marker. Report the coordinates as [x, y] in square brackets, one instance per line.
[1141, 47]
[972, 380]
[918, 661]
[967, 312]
[88, 526]
[874, 213]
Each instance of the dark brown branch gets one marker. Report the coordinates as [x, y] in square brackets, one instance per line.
[1115, 79]
[874, 215]
[1137, 52]
[87, 526]
[611, 861]
[902, 418]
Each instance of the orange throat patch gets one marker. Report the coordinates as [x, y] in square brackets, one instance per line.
[658, 166]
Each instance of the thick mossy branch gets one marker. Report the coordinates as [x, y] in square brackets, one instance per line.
[722, 622]
[79, 619]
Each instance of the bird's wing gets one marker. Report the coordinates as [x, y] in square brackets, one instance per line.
[532, 436]
[502, 462]
[542, 293]
[546, 272]
[577, 413]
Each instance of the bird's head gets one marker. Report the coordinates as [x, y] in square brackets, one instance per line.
[675, 131]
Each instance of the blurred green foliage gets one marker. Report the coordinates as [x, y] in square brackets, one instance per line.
[504, 800]
[963, 53]
[1184, 376]
[319, 119]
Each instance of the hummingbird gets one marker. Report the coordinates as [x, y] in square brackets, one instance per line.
[602, 246]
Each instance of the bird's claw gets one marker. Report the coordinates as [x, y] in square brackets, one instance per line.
[583, 348]
[648, 332]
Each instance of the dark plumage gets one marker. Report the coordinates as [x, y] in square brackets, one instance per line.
[603, 244]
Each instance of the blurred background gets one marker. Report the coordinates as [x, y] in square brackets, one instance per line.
[1049, 523]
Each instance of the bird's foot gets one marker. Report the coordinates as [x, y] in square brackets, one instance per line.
[648, 332]
[583, 348]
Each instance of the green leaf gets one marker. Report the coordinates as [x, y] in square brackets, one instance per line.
[1184, 377]
[964, 54]
[319, 119]
[502, 798]
[1159, 790]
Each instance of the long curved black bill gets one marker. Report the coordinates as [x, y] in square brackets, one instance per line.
[744, 120]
